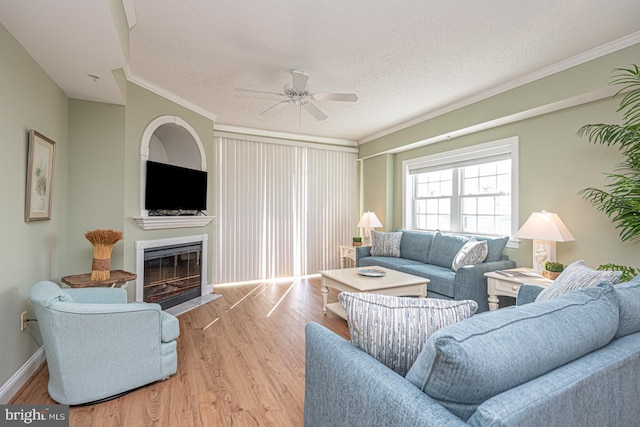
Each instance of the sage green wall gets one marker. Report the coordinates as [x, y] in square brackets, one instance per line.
[30, 251]
[554, 164]
[143, 107]
[375, 190]
[96, 185]
[96, 178]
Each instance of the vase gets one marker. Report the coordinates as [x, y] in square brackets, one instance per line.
[101, 264]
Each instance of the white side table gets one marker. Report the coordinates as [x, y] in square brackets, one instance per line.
[347, 252]
[499, 284]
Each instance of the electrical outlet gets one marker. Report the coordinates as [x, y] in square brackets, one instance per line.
[23, 321]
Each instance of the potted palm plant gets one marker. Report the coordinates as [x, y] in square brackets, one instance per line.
[620, 199]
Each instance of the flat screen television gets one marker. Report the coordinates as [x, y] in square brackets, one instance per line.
[171, 187]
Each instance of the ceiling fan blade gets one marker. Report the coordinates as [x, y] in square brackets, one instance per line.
[314, 111]
[346, 97]
[276, 107]
[260, 91]
[299, 80]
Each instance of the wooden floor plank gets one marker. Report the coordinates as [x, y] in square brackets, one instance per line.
[240, 363]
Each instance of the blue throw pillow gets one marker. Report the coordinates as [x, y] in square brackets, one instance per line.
[468, 362]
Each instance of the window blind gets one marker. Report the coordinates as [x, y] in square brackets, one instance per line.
[281, 209]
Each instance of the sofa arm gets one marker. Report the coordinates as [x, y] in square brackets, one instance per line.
[97, 295]
[470, 282]
[528, 293]
[361, 252]
[344, 386]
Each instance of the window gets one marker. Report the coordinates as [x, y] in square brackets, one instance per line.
[469, 191]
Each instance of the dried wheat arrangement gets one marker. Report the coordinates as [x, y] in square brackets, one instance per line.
[102, 241]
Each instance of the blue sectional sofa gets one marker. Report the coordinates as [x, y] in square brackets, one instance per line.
[570, 361]
[430, 255]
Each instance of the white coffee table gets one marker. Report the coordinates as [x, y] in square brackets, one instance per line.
[348, 280]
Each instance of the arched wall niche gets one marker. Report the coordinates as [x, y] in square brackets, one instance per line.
[171, 140]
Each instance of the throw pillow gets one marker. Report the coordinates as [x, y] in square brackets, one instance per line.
[577, 276]
[386, 244]
[473, 252]
[395, 329]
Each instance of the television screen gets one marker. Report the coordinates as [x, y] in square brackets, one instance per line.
[172, 187]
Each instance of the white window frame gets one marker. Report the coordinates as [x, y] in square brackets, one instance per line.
[493, 148]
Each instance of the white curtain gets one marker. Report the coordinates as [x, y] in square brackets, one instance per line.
[281, 209]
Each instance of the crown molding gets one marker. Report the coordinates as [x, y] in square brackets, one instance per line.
[152, 87]
[563, 65]
[130, 13]
[502, 121]
[282, 135]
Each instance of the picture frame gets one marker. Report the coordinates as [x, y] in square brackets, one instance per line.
[40, 166]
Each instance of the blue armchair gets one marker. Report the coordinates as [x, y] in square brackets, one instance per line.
[98, 346]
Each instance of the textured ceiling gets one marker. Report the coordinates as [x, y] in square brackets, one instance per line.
[403, 59]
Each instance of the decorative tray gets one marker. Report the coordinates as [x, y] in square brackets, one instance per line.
[372, 272]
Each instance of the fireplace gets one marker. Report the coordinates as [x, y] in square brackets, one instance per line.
[171, 271]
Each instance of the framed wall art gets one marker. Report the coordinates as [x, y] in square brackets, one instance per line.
[39, 191]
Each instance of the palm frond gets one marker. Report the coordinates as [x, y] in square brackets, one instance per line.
[629, 79]
[620, 198]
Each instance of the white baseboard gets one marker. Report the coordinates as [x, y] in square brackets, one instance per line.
[20, 378]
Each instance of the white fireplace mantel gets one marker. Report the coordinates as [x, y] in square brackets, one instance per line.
[162, 222]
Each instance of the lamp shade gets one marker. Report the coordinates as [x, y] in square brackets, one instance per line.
[369, 220]
[545, 226]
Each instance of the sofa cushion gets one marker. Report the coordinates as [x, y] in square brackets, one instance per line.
[472, 253]
[468, 362]
[385, 243]
[495, 246]
[577, 275]
[441, 279]
[444, 248]
[394, 329]
[629, 304]
[415, 245]
[389, 262]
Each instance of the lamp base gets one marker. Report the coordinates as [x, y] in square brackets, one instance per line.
[543, 251]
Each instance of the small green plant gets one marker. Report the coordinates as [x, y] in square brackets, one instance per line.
[357, 239]
[554, 267]
[628, 273]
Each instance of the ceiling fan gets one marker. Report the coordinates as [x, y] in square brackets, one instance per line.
[296, 93]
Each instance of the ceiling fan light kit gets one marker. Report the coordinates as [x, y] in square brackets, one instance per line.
[297, 94]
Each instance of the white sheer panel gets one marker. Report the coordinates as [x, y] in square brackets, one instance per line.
[281, 210]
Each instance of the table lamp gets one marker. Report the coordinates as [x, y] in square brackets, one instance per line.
[545, 229]
[369, 221]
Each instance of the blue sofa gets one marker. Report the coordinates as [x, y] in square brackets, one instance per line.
[570, 361]
[98, 346]
[430, 255]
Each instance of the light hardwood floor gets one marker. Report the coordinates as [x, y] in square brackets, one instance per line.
[240, 363]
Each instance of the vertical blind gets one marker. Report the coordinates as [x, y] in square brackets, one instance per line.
[281, 209]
